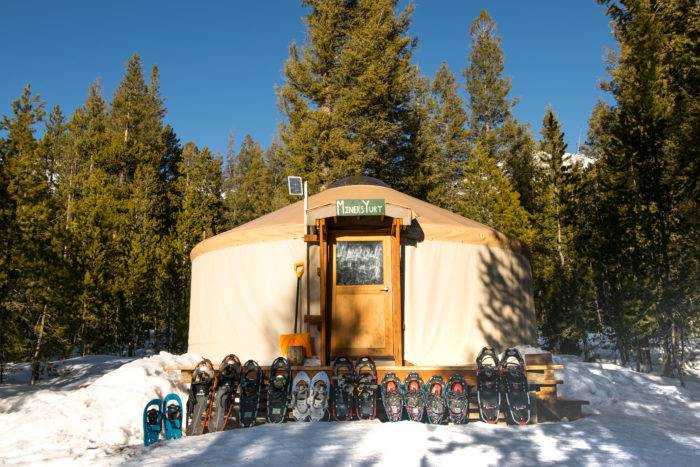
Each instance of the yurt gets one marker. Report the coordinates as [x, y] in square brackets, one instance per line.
[386, 275]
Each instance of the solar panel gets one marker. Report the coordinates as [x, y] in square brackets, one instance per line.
[295, 186]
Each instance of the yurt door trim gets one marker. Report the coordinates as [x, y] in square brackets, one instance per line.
[326, 239]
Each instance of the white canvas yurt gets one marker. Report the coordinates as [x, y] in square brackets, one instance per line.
[386, 275]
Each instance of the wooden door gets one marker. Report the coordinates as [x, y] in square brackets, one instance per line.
[361, 304]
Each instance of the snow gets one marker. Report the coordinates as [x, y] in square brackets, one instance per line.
[89, 412]
[568, 159]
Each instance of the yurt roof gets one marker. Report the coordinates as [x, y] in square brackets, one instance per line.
[287, 223]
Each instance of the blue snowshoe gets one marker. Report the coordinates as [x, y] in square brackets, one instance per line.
[152, 422]
[172, 416]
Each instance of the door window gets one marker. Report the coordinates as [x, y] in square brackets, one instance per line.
[359, 263]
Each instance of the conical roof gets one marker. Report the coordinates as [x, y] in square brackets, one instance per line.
[435, 223]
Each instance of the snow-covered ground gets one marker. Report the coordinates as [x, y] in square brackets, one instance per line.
[90, 413]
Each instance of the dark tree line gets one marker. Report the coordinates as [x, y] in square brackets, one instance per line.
[98, 214]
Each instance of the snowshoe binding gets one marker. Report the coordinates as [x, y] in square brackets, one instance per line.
[435, 406]
[488, 387]
[318, 402]
[300, 397]
[251, 381]
[366, 385]
[152, 422]
[343, 388]
[515, 386]
[227, 380]
[278, 390]
[457, 393]
[392, 397]
[415, 396]
[172, 416]
[199, 401]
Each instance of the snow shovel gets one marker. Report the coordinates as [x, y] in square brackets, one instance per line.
[296, 339]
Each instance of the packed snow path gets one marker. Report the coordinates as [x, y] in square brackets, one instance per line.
[92, 414]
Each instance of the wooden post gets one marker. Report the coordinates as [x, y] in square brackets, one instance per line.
[396, 290]
[323, 287]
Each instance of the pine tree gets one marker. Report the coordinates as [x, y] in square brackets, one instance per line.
[487, 196]
[35, 265]
[89, 211]
[562, 277]
[6, 228]
[347, 94]
[137, 110]
[491, 119]
[489, 105]
[519, 161]
[556, 172]
[649, 172]
[446, 135]
[248, 194]
[200, 216]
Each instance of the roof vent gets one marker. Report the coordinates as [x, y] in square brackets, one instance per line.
[358, 180]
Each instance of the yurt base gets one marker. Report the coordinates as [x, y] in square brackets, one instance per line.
[546, 406]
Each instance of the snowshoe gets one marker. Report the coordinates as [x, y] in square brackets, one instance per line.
[172, 416]
[457, 393]
[392, 397]
[515, 386]
[488, 387]
[415, 396]
[227, 380]
[343, 388]
[318, 402]
[278, 390]
[251, 381]
[366, 384]
[152, 422]
[300, 397]
[435, 406]
[200, 398]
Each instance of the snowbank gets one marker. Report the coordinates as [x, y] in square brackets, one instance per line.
[87, 412]
[91, 413]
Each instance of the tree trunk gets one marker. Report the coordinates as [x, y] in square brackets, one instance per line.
[675, 361]
[668, 364]
[37, 348]
[82, 330]
[559, 246]
[2, 346]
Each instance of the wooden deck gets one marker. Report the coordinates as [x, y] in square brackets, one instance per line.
[539, 369]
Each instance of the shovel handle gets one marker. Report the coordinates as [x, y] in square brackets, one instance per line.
[299, 269]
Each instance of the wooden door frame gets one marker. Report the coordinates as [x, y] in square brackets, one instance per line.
[326, 283]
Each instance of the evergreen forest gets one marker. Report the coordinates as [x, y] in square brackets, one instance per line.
[99, 209]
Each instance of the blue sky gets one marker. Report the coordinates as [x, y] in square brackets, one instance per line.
[221, 61]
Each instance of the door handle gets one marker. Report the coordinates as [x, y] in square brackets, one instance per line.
[385, 289]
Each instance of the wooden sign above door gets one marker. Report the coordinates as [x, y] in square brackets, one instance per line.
[359, 207]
